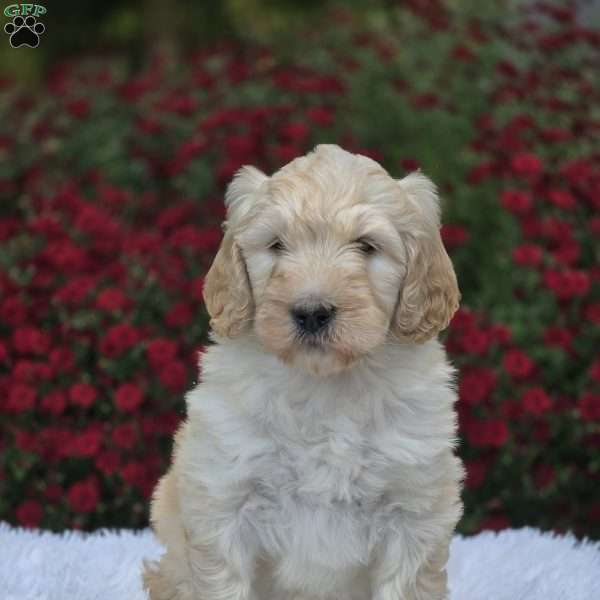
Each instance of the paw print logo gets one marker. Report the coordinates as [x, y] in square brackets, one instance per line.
[24, 31]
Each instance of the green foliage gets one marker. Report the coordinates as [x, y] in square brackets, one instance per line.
[111, 196]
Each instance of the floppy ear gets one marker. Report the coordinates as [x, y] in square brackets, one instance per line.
[430, 296]
[227, 292]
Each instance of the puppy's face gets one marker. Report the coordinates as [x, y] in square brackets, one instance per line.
[326, 258]
[325, 268]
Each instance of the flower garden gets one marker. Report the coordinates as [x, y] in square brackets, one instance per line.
[111, 187]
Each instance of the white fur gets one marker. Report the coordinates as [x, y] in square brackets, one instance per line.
[327, 482]
[321, 475]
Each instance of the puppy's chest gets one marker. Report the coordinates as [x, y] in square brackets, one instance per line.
[311, 494]
[328, 470]
[333, 465]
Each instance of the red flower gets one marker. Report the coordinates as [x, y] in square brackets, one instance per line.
[180, 315]
[536, 401]
[25, 440]
[525, 164]
[462, 52]
[62, 359]
[125, 436]
[555, 134]
[119, 339]
[128, 397]
[476, 384]
[13, 311]
[577, 171]
[463, 319]
[202, 240]
[567, 284]
[558, 337]
[86, 443]
[500, 334]
[295, 133]
[491, 433]
[112, 299]
[476, 341]
[531, 226]
[563, 199]
[148, 125]
[79, 108]
[516, 201]
[160, 351]
[425, 100]
[83, 496]
[30, 340]
[568, 252]
[589, 407]
[527, 255]
[409, 164]
[173, 376]
[21, 397]
[82, 394]
[54, 402]
[517, 364]
[133, 473]
[321, 116]
[595, 370]
[29, 513]
[453, 236]
[74, 292]
[25, 371]
[592, 313]
[108, 462]
[557, 230]
[65, 256]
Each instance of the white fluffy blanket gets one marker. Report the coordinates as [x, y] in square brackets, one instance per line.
[519, 564]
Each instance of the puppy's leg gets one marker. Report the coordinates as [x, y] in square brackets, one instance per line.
[216, 577]
[432, 579]
[200, 572]
[169, 578]
[222, 545]
[428, 582]
[211, 561]
[410, 561]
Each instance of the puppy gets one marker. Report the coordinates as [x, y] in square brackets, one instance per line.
[316, 461]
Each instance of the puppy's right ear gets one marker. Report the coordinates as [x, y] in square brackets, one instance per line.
[227, 291]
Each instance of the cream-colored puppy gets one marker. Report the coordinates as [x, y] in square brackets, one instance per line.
[317, 459]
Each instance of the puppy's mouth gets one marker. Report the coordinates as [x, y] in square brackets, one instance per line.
[312, 342]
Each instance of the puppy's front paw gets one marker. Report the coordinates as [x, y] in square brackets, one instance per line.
[161, 584]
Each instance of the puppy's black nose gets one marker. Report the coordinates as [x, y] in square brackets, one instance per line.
[312, 320]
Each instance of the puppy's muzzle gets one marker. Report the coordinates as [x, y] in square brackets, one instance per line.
[312, 320]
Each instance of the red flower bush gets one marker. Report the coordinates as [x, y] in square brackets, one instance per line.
[110, 211]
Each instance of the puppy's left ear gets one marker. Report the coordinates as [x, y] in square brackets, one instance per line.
[227, 291]
[430, 296]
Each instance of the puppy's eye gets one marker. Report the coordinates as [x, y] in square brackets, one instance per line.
[366, 246]
[276, 245]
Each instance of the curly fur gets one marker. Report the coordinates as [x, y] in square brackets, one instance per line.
[326, 470]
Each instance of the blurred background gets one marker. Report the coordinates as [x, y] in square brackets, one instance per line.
[118, 134]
